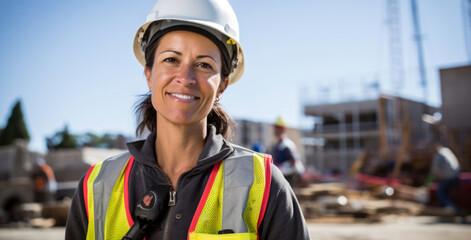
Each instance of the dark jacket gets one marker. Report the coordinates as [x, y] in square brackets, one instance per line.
[283, 217]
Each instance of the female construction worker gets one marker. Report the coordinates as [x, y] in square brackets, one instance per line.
[186, 181]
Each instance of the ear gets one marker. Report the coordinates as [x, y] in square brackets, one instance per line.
[148, 73]
[222, 86]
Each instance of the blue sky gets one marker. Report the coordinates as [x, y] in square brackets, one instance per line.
[71, 62]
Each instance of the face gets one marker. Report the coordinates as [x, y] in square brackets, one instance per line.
[185, 78]
[279, 131]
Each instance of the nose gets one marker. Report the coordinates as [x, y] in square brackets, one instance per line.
[185, 75]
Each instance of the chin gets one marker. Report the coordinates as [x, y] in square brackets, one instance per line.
[182, 119]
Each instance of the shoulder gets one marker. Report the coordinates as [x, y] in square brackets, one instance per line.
[239, 148]
[112, 166]
[279, 184]
[283, 217]
[252, 160]
[240, 151]
[286, 142]
[123, 156]
[116, 160]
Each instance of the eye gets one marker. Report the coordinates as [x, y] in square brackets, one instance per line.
[204, 65]
[170, 60]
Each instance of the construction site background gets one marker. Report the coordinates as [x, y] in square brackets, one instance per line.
[366, 160]
[372, 158]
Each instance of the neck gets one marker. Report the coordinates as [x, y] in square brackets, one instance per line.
[280, 137]
[178, 147]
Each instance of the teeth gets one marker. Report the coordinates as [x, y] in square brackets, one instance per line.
[183, 96]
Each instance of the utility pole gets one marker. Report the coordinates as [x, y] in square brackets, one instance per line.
[420, 53]
[397, 76]
[466, 4]
[395, 46]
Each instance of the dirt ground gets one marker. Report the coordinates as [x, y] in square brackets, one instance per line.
[392, 227]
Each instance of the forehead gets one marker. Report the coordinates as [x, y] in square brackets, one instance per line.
[188, 40]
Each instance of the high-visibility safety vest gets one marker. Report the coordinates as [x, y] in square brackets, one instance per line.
[235, 198]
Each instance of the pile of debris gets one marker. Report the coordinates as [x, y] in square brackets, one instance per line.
[41, 215]
[338, 203]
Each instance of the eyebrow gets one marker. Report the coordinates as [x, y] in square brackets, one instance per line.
[180, 54]
[173, 51]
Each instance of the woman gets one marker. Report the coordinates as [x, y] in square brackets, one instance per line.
[185, 181]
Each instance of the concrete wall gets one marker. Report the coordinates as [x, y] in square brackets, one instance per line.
[71, 164]
[16, 160]
[456, 96]
[456, 109]
[16, 166]
[7, 156]
[68, 164]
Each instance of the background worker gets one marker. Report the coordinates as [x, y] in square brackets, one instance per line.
[285, 154]
[446, 170]
[45, 185]
[186, 181]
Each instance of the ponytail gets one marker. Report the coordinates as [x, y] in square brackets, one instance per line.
[222, 121]
[146, 115]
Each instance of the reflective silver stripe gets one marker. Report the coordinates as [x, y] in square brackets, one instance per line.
[103, 187]
[238, 178]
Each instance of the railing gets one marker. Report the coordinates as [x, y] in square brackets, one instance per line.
[349, 127]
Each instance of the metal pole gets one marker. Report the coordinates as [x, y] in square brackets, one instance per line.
[343, 143]
[466, 4]
[320, 149]
[395, 46]
[418, 40]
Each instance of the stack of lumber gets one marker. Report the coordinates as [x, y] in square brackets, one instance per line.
[334, 203]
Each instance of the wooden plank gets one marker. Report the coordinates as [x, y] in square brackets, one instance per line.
[406, 131]
[356, 166]
[383, 147]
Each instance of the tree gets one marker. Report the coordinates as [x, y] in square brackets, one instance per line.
[15, 128]
[62, 140]
[107, 140]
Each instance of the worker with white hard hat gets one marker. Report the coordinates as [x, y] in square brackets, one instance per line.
[186, 180]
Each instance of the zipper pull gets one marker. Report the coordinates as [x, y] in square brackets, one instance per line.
[171, 199]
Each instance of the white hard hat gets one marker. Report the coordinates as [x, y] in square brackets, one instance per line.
[214, 16]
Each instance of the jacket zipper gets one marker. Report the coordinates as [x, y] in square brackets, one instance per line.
[172, 201]
[168, 221]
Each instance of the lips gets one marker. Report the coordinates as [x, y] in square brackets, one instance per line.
[182, 97]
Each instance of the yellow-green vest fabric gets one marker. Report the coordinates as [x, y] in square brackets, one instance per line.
[234, 198]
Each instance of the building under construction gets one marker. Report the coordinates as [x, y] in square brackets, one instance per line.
[391, 132]
[388, 129]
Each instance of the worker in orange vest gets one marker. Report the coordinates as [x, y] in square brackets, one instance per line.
[44, 182]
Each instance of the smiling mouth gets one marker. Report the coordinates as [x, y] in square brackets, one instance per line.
[182, 96]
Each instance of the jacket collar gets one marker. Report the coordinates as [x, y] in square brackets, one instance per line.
[215, 149]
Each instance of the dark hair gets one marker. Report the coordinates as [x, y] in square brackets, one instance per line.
[147, 114]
